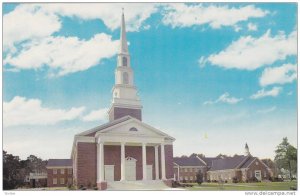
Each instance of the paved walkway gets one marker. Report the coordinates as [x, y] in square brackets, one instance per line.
[139, 185]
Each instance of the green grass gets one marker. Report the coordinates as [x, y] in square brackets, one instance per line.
[243, 186]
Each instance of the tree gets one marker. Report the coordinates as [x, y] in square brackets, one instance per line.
[11, 171]
[271, 165]
[286, 156]
[199, 177]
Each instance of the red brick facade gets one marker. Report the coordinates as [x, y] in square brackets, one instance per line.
[87, 161]
[62, 176]
[86, 164]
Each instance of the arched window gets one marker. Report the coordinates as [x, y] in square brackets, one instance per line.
[124, 59]
[133, 129]
[125, 78]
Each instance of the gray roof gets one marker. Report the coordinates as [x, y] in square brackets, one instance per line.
[248, 162]
[188, 161]
[59, 162]
[209, 160]
[92, 132]
[228, 162]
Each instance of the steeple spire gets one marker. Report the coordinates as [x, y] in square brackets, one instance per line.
[123, 40]
[125, 98]
[247, 152]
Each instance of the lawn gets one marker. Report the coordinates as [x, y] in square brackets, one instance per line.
[243, 186]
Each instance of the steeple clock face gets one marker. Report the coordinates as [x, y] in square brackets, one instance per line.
[124, 61]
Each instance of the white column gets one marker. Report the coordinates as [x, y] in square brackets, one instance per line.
[178, 175]
[163, 164]
[100, 162]
[156, 163]
[122, 161]
[144, 162]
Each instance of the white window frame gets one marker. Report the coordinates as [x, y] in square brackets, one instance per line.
[62, 180]
[54, 171]
[54, 181]
[69, 170]
[62, 171]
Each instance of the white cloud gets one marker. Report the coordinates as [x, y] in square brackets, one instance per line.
[27, 22]
[64, 54]
[250, 53]
[286, 73]
[252, 27]
[109, 13]
[96, 115]
[29, 42]
[225, 98]
[267, 110]
[22, 111]
[183, 15]
[274, 92]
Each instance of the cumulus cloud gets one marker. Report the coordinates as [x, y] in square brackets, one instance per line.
[22, 111]
[96, 115]
[224, 98]
[109, 13]
[64, 54]
[250, 53]
[286, 73]
[274, 92]
[27, 22]
[184, 15]
[29, 41]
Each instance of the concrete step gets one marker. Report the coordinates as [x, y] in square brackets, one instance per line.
[137, 185]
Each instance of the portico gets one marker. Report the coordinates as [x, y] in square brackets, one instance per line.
[137, 140]
[158, 167]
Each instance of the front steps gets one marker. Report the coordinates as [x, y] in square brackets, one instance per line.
[137, 185]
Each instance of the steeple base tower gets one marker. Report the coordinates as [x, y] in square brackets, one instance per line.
[116, 112]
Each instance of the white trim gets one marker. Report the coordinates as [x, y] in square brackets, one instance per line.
[85, 139]
[190, 166]
[98, 133]
[59, 167]
[201, 160]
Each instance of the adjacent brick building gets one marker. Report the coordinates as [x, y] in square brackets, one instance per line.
[59, 172]
[239, 168]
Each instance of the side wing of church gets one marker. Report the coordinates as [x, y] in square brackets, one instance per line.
[125, 148]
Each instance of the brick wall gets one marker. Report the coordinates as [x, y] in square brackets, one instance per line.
[66, 175]
[169, 161]
[117, 112]
[86, 164]
[257, 165]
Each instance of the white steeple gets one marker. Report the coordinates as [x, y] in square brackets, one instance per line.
[123, 40]
[247, 152]
[125, 99]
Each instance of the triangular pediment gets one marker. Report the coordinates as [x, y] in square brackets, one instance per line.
[133, 127]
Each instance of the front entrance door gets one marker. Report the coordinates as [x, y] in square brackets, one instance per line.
[109, 172]
[149, 172]
[258, 174]
[130, 169]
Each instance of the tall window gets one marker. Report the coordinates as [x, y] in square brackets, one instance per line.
[124, 59]
[62, 171]
[54, 171]
[125, 78]
[54, 181]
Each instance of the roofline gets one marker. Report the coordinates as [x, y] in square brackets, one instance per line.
[130, 118]
[243, 161]
[201, 160]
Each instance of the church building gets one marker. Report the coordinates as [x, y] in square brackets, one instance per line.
[125, 148]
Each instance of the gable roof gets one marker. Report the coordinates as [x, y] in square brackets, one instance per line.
[103, 128]
[59, 162]
[92, 132]
[188, 161]
[209, 160]
[228, 162]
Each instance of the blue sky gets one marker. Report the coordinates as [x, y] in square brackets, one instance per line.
[212, 75]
